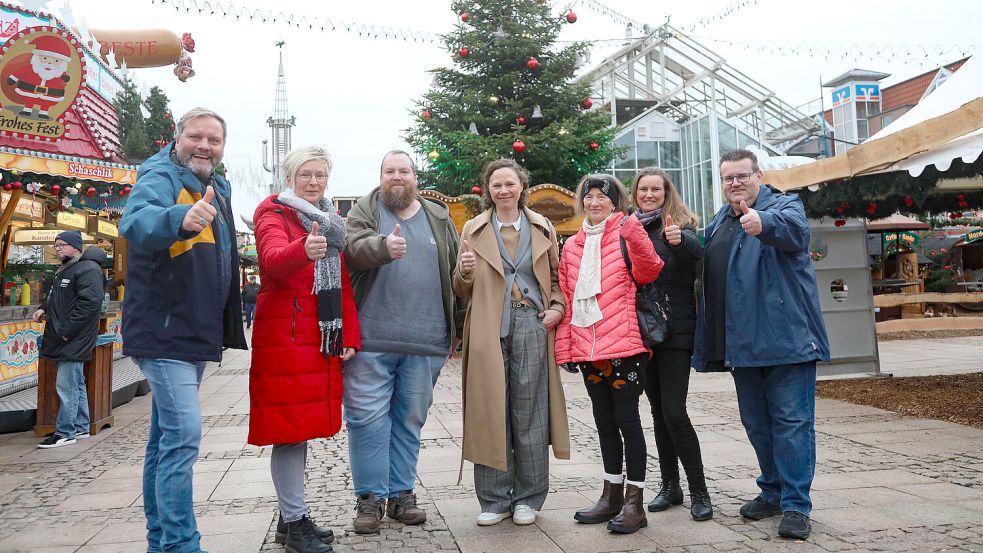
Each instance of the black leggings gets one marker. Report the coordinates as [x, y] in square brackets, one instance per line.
[614, 399]
[666, 386]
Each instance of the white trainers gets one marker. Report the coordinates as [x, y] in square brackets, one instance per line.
[83, 436]
[524, 515]
[491, 519]
[55, 440]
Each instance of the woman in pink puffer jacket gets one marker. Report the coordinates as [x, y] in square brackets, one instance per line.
[599, 338]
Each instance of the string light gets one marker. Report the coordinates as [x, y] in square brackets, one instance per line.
[918, 53]
[363, 30]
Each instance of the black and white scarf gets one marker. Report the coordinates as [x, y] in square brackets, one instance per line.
[327, 270]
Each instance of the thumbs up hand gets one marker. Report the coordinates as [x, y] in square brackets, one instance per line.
[316, 246]
[396, 244]
[750, 220]
[467, 258]
[201, 214]
[674, 236]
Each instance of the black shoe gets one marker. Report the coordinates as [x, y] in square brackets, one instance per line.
[301, 538]
[700, 506]
[669, 494]
[758, 508]
[55, 440]
[324, 534]
[794, 525]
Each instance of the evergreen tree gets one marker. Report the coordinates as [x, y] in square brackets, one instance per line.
[506, 65]
[132, 127]
[160, 122]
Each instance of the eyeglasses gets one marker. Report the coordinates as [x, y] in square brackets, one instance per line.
[740, 177]
[62, 245]
[308, 177]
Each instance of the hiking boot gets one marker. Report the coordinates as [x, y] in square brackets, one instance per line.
[632, 515]
[404, 509]
[55, 440]
[669, 494]
[324, 534]
[794, 525]
[700, 507]
[758, 508]
[606, 508]
[368, 515]
[301, 538]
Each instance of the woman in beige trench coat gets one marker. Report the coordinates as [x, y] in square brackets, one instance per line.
[513, 399]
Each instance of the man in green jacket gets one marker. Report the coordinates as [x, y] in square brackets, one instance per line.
[401, 251]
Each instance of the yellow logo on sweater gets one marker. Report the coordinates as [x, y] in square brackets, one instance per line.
[204, 237]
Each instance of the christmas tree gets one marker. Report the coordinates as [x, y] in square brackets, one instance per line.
[510, 93]
[160, 123]
[132, 127]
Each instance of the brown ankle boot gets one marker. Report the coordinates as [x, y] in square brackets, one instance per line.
[632, 515]
[609, 505]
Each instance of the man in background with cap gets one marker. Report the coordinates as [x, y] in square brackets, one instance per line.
[71, 313]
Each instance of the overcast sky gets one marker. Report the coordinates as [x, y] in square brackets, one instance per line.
[353, 94]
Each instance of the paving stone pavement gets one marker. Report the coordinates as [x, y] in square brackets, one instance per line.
[884, 482]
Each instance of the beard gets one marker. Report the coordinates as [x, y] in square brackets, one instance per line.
[202, 170]
[398, 200]
[46, 71]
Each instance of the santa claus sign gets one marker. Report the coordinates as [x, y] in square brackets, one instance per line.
[41, 71]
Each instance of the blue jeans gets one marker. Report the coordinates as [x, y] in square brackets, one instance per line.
[386, 398]
[778, 410]
[73, 411]
[249, 309]
[172, 448]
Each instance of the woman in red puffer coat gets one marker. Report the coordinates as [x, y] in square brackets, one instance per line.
[305, 325]
[599, 338]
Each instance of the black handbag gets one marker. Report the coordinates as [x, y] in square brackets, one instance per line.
[651, 306]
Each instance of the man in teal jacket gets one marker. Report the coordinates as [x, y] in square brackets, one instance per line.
[182, 308]
[759, 317]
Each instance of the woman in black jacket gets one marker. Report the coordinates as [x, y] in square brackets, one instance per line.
[672, 227]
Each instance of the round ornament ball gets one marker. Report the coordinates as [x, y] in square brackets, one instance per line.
[121, 193]
[433, 155]
[463, 52]
[518, 146]
[91, 191]
[521, 120]
[426, 114]
[7, 187]
[476, 189]
[533, 63]
[593, 146]
[17, 185]
[465, 17]
[157, 143]
[55, 189]
[128, 189]
[493, 100]
[587, 103]
[571, 17]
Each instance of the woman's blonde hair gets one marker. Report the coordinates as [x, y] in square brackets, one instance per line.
[673, 205]
[622, 205]
[300, 156]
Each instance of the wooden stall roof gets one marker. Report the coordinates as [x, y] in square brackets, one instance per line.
[549, 200]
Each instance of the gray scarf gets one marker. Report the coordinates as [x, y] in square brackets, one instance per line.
[327, 270]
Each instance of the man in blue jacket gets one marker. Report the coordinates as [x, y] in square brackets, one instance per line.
[759, 318]
[182, 308]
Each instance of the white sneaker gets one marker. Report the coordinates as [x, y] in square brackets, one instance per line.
[491, 519]
[82, 436]
[524, 515]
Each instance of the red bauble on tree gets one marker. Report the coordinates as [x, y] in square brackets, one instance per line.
[17, 185]
[587, 103]
[571, 17]
[158, 143]
[465, 17]
[476, 189]
[426, 114]
[839, 222]
[518, 146]
[55, 190]
[533, 64]
[463, 52]
[871, 208]
[91, 191]
[521, 120]
[128, 189]
[593, 146]
[8, 187]
[908, 201]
